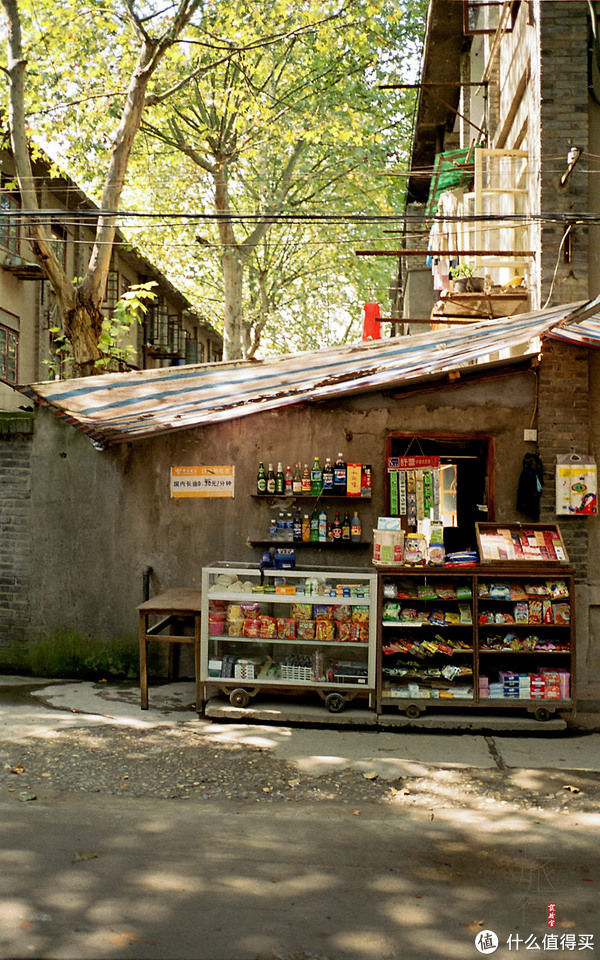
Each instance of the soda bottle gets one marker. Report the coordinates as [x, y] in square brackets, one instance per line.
[306, 480]
[355, 528]
[261, 479]
[288, 481]
[316, 478]
[279, 479]
[339, 476]
[270, 479]
[337, 527]
[288, 530]
[305, 528]
[314, 526]
[346, 526]
[297, 481]
[322, 526]
[298, 525]
[328, 476]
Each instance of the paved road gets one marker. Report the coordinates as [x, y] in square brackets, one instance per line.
[92, 875]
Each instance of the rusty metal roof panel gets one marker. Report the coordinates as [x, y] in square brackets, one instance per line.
[129, 406]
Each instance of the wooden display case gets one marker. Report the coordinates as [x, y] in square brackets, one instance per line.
[260, 632]
[480, 637]
[520, 543]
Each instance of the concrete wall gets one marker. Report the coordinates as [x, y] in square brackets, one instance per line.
[101, 517]
[16, 435]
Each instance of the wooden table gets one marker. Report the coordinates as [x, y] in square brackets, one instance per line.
[170, 607]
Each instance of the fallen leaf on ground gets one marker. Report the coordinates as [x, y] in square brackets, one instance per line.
[370, 775]
[571, 788]
[81, 855]
[18, 769]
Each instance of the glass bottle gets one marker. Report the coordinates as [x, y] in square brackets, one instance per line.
[355, 528]
[261, 479]
[297, 481]
[337, 527]
[306, 480]
[279, 479]
[346, 526]
[288, 481]
[270, 479]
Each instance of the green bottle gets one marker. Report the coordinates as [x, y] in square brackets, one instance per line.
[314, 526]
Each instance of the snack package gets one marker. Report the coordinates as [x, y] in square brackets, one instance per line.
[557, 589]
[268, 628]
[445, 591]
[251, 627]
[235, 628]
[562, 614]
[301, 611]
[464, 612]
[360, 615]
[359, 633]
[521, 610]
[391, 610]
[324, 630]
[322, 611]
[343, 612]
[342, 629]
[500, 591]
[305, 630]
[535, 611]
[517, 592]
[547, 614]
[286, 628]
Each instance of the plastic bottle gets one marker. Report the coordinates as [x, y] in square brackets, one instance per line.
[337, 527]
[297, 481]
[314, 526]
[346, 526]
[261, 479]
[270, 479]
[328, 476]
[298, 525]
[339, 476]
[288, 530]
[273, 529]
[288, 481]
[322, 526]
[305, 480]
[305, 528]
[355, 529]
[316, 478]
[280, 526]
[279, 479]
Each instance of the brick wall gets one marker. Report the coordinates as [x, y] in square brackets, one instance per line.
[563, 427]
[16, 434]
[564, 122]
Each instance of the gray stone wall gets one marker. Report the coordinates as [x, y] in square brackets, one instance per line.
[16, 434]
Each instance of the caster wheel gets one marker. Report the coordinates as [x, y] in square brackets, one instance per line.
[542, 713]
[239, 698]
[334, 702]
[413, 711]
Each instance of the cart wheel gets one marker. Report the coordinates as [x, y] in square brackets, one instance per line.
[542, 713]
[334, 702]
[413, 711]
[239, 697]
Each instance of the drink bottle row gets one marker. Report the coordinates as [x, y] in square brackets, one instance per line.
[338, 478]
[316, 527]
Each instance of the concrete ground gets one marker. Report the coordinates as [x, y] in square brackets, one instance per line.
[409, 876]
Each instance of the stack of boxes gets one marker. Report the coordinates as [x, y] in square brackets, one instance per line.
[545, 685]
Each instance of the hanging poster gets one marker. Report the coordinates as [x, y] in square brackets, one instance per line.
[202, 481]
[576, 485]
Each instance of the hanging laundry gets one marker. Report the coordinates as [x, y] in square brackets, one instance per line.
[371, 322]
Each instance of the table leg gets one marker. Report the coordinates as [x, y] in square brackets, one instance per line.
[143, 627]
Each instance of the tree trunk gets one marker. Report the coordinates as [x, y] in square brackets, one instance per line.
[232, 282]
[83, 326]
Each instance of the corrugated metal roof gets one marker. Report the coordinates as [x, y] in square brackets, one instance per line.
[128, 406]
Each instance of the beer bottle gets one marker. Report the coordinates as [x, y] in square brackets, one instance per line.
[261, 479]
[279, 479]
[270, 479]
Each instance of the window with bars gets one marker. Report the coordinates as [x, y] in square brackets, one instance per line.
[111, 294]
[9, 346]
[9, 223]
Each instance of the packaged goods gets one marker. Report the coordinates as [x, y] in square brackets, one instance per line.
[286, 628]
[359, 633]
[521, 612]
[234, 611]
[322, 612]
[360, 615]
[268, 628]
[342, 630]
[251, 627]
[301, 611]
[562, 613]
[215, 627]
[305, 630]
[235, 628]
[324, 630]
[391, 610]
[341, 612]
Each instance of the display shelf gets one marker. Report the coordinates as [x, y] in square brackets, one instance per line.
[522, 675]
[306, 497]
[315, 544]
[311, 637]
